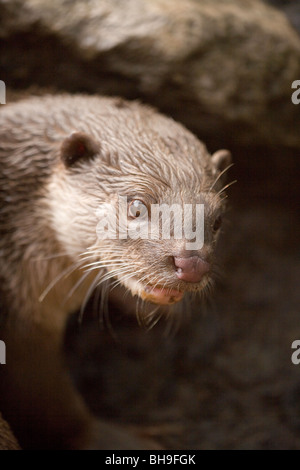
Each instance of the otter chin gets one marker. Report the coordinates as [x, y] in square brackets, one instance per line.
[161, 296]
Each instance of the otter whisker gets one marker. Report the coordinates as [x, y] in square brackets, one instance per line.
[63, 275]
[94, 257]
[135, 274]
[100, 265]
[45, 258]
[155, 263]
[76, 285]
[140, 318]
[88, 294]
[99, 305]
[104, 311]
[219, 176]
[106, 262]
[150, 318]
[225, 187]
[91, 258]
[115, 272]
[96, 248]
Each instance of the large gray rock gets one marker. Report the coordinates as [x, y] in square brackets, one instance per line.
[223, 67]
[291, 8]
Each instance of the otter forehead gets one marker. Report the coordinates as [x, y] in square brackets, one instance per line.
[145, 145]
[133, 137]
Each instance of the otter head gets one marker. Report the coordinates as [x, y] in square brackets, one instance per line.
[139, 201]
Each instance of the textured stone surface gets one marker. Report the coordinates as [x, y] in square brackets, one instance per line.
[291, 8]
[224, 68]
[225, 380]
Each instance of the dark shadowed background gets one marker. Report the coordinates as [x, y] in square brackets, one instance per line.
[225, 380]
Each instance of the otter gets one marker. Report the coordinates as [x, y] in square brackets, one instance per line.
[63, 159]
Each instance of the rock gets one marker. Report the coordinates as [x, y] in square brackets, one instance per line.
[7, 439]
[291, 8]
[224, 68]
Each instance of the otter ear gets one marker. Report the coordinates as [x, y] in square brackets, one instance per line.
[78, 146]
[221, 159]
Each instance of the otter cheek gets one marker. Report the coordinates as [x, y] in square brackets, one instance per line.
[161, 296]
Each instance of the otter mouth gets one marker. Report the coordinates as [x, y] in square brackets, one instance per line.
[161, 295]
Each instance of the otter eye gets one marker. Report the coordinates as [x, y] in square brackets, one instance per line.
[137, 209]
[217, 224]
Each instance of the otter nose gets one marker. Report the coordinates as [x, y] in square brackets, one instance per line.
[191, 269]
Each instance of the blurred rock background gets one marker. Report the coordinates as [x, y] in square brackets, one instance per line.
[224, 68]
